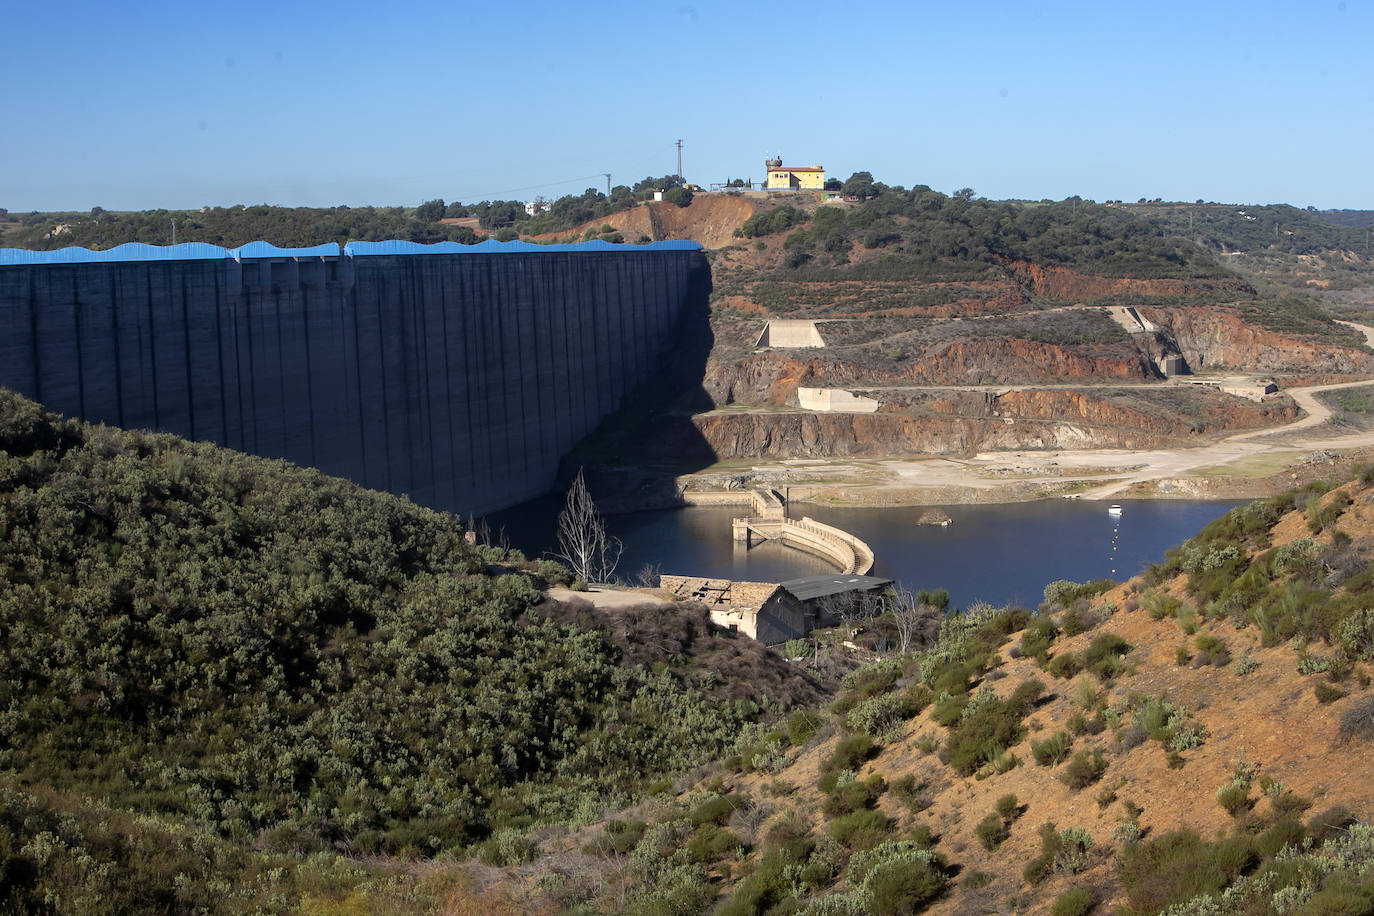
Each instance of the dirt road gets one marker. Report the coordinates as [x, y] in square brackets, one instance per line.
[1006, 476]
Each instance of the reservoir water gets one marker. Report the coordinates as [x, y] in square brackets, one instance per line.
[995, 553]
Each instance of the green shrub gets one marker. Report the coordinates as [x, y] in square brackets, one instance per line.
[989, 727]
[1179, 866]
[853, 796]
[1053, 750]
[1103, 655]
[1064, 665]
[1073, 622]
[1087, 693]
[881, 714]
[1327, 693]
[617, 837]
[1036, 641]
[991, 831]
[1084, 769]
[1062, 593]
[862, 829]
[1161, 604]
[709, 843]
[911, 792]
[1321, 516]
[849, 754]
[896, 877]
[1073, 902]
[1008, 807]
[1235, 797]
[949, 709]
[1061, 852]
[715, 810]
[801, 725]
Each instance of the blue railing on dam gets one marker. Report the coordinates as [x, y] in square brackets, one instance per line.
[201, 251]
[459, 377]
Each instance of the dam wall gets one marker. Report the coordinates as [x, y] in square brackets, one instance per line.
[457, 375]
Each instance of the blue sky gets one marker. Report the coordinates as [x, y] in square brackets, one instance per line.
[131, 106]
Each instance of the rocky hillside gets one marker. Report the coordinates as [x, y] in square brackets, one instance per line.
[918, 297]
[1195, 738]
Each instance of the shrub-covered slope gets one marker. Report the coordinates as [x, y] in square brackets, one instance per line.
[285, 659]
[1196, 739]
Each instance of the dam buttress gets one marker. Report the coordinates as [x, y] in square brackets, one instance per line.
[456, 375]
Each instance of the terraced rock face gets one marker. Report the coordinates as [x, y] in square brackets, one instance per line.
[967, 423]
[1222, 339]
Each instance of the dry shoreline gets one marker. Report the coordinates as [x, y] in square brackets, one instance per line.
[1245, 465]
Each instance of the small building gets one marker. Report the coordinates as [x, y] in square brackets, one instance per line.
[536, 207]
[793, 178]
[760, 610]
[776, 612]
[826, 597]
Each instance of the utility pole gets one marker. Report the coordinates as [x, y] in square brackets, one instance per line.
[608, 183]
[679, 160]
[174, 232]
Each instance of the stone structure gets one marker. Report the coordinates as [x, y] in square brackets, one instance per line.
[835, 400]
[760, 610]
[1173, 365]
[775, 612]
[770, 522]
[791, 333]
[458, 375]
[1253, 389]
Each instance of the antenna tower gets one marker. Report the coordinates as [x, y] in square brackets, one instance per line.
[679, 160]
[608, 183]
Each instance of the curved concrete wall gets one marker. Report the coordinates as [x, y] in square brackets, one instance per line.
[457, 379]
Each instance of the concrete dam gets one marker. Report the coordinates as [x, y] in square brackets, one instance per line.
[457, 375]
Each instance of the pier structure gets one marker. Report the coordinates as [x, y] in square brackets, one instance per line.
[770, 522]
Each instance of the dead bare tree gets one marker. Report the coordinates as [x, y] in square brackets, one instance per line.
[912, 618]
[582, 540]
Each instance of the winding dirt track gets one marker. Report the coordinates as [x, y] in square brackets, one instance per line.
[1178, 462]
[997, 476]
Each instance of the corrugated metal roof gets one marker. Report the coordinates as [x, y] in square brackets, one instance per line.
[810, 587]
[200, 251]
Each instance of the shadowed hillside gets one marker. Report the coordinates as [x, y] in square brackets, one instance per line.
[214, 664]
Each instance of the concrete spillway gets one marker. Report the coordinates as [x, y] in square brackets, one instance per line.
[458, 378]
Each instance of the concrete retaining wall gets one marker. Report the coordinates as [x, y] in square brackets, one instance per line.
[790, 333]
[459, 380]
[835, 400]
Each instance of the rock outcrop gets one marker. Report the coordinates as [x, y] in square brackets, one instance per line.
[1219, 338]
[771, 378]
[1044, 419]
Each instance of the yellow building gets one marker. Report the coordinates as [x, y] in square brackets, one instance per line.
[797, 178]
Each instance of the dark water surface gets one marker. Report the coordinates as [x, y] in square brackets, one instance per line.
[998, 553]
